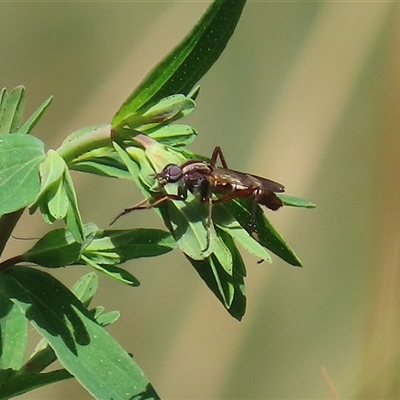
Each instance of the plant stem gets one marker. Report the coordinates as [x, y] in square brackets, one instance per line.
[11, 261]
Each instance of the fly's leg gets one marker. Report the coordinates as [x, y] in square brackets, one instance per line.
[218, 152]
[151, 203]
[252, 223]
[249, 193]
[245, 193]
[209, 218]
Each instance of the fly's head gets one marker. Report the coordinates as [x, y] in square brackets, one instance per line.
[171, 173]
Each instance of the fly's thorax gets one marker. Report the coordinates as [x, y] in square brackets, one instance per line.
[194, 175]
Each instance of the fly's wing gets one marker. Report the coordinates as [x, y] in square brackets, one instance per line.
[267, 184]
[242, 180]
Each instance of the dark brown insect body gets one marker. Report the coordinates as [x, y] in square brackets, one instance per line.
[214, 185]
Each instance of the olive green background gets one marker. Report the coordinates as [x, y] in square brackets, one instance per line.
[307, 94]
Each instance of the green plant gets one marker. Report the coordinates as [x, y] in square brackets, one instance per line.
[140, 141]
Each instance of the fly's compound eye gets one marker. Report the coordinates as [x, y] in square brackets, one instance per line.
[172, 173]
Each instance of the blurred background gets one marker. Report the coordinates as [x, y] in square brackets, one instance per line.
[307, 94]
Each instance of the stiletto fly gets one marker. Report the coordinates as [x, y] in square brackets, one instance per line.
[213, 185]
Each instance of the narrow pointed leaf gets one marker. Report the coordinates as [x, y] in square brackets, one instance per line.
[114, 272]
[3, 99]
[73, 218]
[189, 61]
[11, 111]
[295, 201]
[31, 122]
[229, 290]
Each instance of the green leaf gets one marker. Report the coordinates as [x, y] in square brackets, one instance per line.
[235, 230]
[104, 163]
[13, 335]
[237, 307]
[165, 111]
[86, 287]
[83, 347]
[57, 199]
[51, 171]
[174, 135]
[188, 62]
[108, 318]
[229, 289]
[295, 201]
[31, 122]
[57, 203]
[52, 199]
[20, 157]
[118, 246]
[187, 223]
[223, 254]
[226, 222]
[43, 356]
[12, 107]
[218, 281]
[73, 219]
[104, 319]
[3, 99]
[58, 248]
[114, 272]
[268, 236]
[131, 165]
